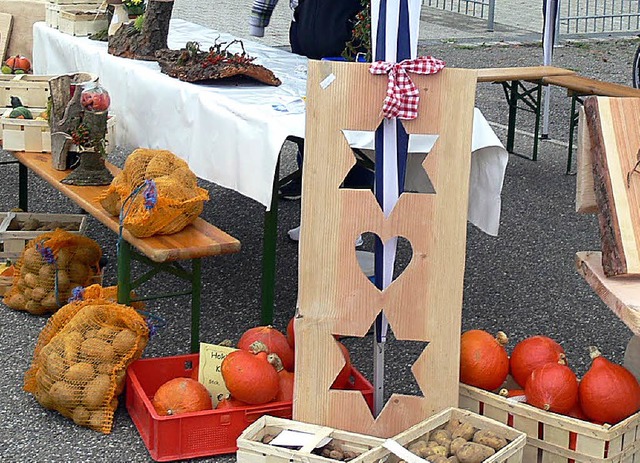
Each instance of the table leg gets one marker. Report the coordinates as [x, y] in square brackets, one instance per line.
[196, 291]
[537, 109]
[511, 89]
[124, 272]
[572, 125]
[269, 254]
[23, 187]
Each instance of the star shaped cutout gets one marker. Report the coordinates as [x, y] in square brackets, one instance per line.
[412, 151]
[399, 358]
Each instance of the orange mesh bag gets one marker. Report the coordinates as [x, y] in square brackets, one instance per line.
[81, 358]
[155, 194]
[51, 265]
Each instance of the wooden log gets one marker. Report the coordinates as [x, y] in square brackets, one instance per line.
[585, 193]
[127, 42]
[614, 131]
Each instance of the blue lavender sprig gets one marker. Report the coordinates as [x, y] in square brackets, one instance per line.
[46, 252]
[150, 194]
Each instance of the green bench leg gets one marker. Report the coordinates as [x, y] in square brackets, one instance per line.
[124, 272]
[515, 93]
[573, 122]
[512, 98]
[23, 187]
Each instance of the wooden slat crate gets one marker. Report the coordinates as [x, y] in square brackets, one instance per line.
[5, 279]
[35, 135]
[553, 438]
[14, 241]
[512, 453]
[252, 450]
[33, 90]
[81, 22]
[94, 3]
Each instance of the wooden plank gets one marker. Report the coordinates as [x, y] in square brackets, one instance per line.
[520, 73]
[621, 295]
[585, 192]
[6, 24]
[587, 86]
[614, 130]
[200, 239]
[335, 296]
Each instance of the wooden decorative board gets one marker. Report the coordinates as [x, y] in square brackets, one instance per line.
[425, 302]
[614, 131]
[585, 193]
[6, 24]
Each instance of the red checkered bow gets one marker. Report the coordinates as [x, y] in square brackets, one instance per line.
[402, 95]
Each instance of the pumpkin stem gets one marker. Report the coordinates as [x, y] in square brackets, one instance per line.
[258, 346]
[562, 360]
[226, 343]
[274, 360]
[504, 392]
[547, 407]
[502, 338]
[594, 352]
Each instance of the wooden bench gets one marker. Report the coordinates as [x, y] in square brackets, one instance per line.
[577, 88]
[513, 81]
[162, 252]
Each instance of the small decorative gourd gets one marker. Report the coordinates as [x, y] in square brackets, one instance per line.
[531, 353]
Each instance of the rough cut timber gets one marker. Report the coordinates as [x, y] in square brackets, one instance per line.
[614, 131]
[127, 42]
[585, 193]
[425, 302]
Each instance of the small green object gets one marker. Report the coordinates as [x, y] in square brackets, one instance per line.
[19, 71]
[21, 113]
[6, 69]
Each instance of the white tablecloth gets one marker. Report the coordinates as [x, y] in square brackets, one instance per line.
[230, 134]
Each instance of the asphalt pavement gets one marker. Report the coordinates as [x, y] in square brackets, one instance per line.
[523, 281]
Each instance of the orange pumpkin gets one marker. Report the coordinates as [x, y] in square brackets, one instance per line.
[229, 402]
[275, 341]
[181, 395]
[484, 362]
[286, 379]
[249, 376]
[609, 393]
[531, 353]
[18, 62]
[291, 335]
[552, 387]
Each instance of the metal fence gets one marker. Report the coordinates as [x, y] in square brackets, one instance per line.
[598, 16]
[484, 9]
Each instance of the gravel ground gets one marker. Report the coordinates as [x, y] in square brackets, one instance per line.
[523, 281]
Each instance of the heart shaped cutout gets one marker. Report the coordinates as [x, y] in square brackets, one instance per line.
[365, 248]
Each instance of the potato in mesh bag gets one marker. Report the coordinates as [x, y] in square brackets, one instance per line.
[51, 265]
[80, 360]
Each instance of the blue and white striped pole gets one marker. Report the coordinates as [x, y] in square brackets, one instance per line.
[394, 26]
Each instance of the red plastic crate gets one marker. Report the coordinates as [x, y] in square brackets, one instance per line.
[199, 434]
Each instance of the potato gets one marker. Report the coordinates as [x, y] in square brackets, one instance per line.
[474, 453]
[89, 255]
[78, 272]
[46, 275]
[96, 391]
[106, 333]
[32, 260]
[80, 372]
[81, 415]
[54, 365]
[38, 293]
[72, 342]
[64, 258]
[97, 420]
[464, 430]
[451, 425]
[121, 381]
[417, 447]
[124, 341]
[63, 395]
[63, 281]
[438, 459]
[44, 398]
[35, 308]
[434, 450]
[31, 279]
[490, 439]
[442, 437]
[96, 349]
[453, 459]
[456, 444]
[49, 302]
[16, 301]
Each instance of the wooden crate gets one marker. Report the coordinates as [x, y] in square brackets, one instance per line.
[5, 280]
[94, 3]
[34, 135]
[81, 22]
[512, 453]
[33, 90]
[557, 438]
[252, 450]
[14, 241]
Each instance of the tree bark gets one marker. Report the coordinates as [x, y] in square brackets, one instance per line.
[127, 42]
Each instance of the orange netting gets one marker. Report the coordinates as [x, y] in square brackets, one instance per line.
[172, 202]
[81, 358]
[49, 268]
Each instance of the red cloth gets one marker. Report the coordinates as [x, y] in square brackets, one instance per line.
[402, 95]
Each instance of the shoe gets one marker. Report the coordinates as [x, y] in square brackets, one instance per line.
[292, 190]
